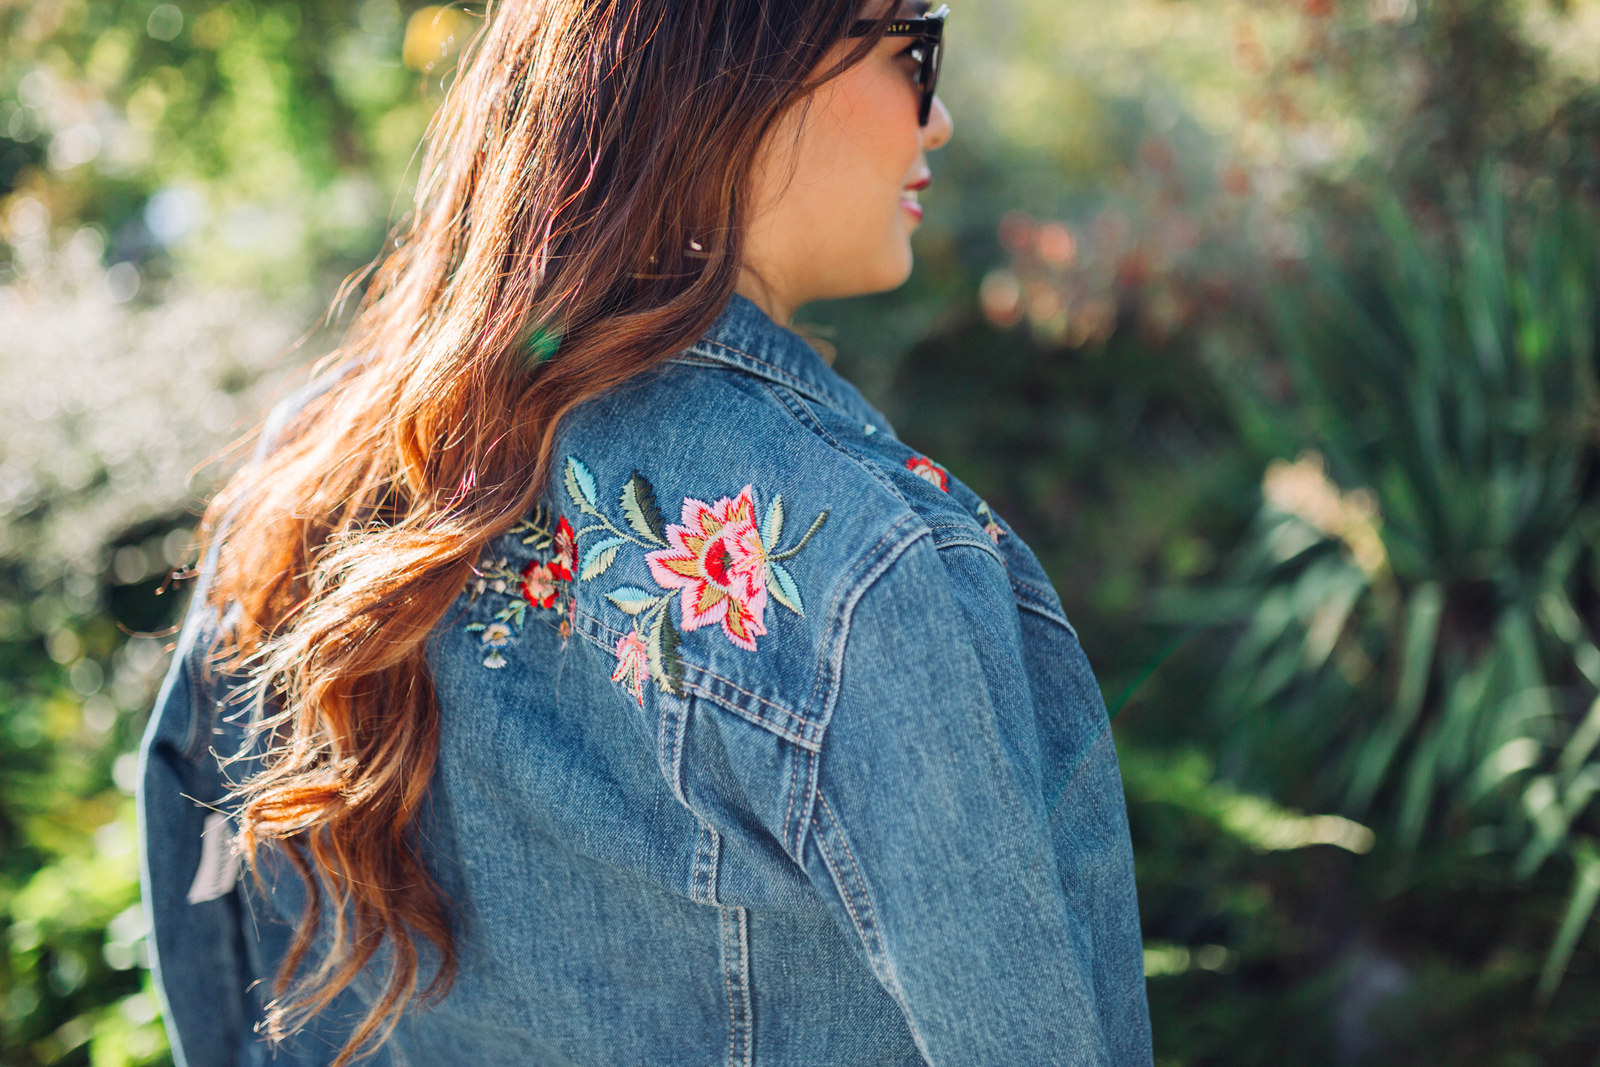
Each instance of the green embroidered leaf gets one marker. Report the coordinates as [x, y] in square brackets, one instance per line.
[598, 556]
[669, 656]
[639, 505]
[661, 653]
[474, 627]
[632, 600]
[772, 525]
[783, 588]
[580, 486]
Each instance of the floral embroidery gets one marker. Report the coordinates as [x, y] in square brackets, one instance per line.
[495, 636]
[929, 471]
[719, 563]
[633, 664]
[565, 629]
[990, 526]
[566, 546]
[539, 583]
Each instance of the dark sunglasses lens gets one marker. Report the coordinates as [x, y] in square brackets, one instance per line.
[930, 77]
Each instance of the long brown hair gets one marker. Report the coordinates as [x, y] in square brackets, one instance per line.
[585, 185]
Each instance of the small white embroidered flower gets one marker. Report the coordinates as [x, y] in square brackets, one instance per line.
[494, 661]
[496, 634]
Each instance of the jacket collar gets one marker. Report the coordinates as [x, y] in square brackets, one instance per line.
[744, 337]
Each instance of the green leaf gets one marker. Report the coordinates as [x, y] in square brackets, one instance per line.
[772, 525]
[580, 486]
[661, 653]
[639, 505]
[1416, 665]
[632, 600]
[598, 556]
[783, 588]
[1580, 906]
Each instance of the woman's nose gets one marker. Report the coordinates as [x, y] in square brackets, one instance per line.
[939, 127]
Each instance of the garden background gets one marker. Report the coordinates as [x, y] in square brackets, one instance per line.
[1271, 324]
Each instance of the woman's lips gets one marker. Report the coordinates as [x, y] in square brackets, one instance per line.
[908, 198]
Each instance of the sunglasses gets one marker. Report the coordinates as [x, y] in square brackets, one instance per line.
[930, 29]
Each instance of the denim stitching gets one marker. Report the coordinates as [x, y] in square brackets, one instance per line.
[1047, 613]
[739, 1023]
[726, 702]
[807, 418]
[843, 603]
[661, 747]
[600, 624]
[868, 930]
[861, 881]
[775, 373]
[727, 981]
[744, 979]
[842, 611]
[679, 726]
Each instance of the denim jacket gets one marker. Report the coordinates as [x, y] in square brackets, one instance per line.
[763, 741]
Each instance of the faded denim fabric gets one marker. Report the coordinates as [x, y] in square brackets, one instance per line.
[763, 742]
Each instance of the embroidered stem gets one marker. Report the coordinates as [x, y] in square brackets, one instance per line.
[606, 524]
[785, 554]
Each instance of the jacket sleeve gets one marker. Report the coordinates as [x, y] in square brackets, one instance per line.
[1007, 931]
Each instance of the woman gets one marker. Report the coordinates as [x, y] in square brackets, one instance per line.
[588, 673]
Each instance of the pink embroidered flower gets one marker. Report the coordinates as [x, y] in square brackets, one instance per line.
[994, 531]
[929, 471]
[565, 628]
[717, 559]
[633, 664]
[565, 565]
[539, 584]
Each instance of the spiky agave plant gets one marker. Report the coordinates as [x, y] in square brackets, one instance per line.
[1415, 610]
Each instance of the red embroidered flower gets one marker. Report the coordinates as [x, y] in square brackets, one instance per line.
[565, 565]
[929, 471]
[717, 559]
[539, 584]
[633, 664]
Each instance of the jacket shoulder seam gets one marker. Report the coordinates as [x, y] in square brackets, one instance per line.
[803, 415]
[904, 532]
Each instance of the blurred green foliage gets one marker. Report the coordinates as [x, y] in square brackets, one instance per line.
[1270, 325]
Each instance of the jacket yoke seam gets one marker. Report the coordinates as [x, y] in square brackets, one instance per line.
[702, 689]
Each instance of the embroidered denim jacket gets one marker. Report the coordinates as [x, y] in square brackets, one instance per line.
[763, 741]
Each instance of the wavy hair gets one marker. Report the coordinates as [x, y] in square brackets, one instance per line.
[585, 187]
